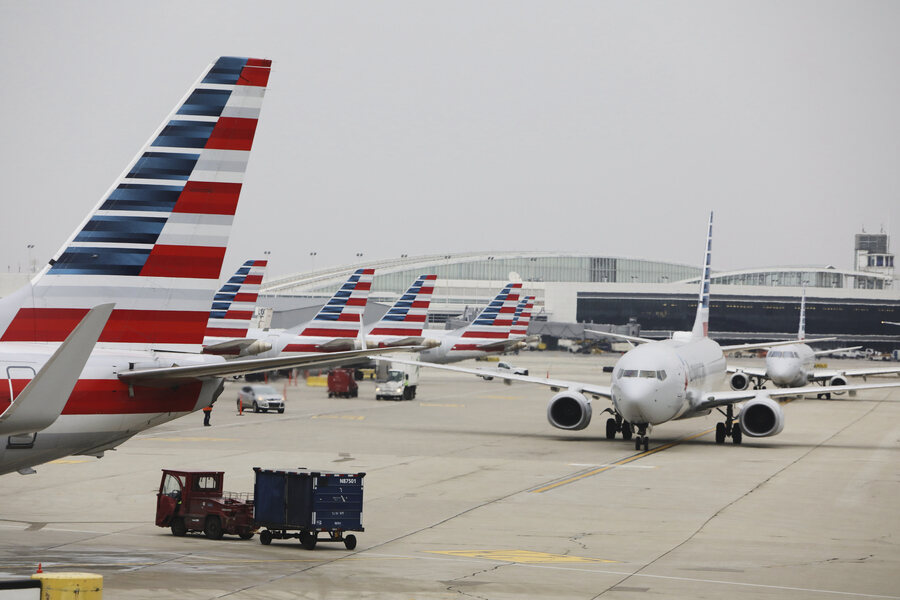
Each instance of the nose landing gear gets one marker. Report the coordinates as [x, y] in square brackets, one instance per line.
[730, 428]
[642, 440]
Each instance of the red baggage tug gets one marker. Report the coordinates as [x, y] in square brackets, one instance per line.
[194, 501]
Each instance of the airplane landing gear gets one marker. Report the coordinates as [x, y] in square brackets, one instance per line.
[642, 440]
[730, 428]
[617, 424]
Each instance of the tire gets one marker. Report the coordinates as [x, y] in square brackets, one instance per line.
[280, 411]
[626, 431]
[350, 542]
[265, 537]
[637, 443]
[245, 535]
[720, 433]
[179, 529]
[212, 528]
[308, 539]
[354, 393]
[646, 443]
[255, 407]
[611, 428]
[736, 434]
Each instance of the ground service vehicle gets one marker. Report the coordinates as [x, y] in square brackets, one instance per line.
[260, 398]
[309, 503]
[194, 501]
[342, 383]
[396, 381]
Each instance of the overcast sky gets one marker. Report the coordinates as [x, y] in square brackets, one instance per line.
[422, 127]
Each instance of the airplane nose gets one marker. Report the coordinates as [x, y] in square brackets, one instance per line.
[641, 402]
[780, 372]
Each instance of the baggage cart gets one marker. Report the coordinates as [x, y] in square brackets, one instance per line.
[313, 506]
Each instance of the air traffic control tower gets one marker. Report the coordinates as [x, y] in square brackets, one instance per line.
[871, 254]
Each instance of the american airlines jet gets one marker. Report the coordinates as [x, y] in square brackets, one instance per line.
[105, 341]
[659, 381]
[232, 310]
[793, 365]
[404, 322]
[488, 334]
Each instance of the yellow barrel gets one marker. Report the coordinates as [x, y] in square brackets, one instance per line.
[70, 586]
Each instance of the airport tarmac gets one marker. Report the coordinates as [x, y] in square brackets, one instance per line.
[470, 493]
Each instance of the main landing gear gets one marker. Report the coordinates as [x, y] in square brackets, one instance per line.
[730, 428]
[616, 424]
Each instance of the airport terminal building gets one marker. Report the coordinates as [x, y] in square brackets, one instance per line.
[660, 296]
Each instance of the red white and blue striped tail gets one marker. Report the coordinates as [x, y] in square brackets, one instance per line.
[523, 317]
[154, 243]
[234, 304]
[701, 321]
[406, 318]
[495, 321]
[341, 317]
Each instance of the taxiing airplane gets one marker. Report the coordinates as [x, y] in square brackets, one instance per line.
[81, 376]
[659, 381]
[488, 334]
[793, 365]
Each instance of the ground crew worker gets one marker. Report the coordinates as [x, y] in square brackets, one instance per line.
[207, 411]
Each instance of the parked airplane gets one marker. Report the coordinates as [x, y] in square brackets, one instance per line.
[522, 319]
[82, 376]
[232, 310]
[489, 333]
[403, 323]
[793, 365]
[659, 381]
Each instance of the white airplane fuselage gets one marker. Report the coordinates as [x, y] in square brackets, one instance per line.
[660, 381]
[790, 366]
[101, 411]
[453, 347]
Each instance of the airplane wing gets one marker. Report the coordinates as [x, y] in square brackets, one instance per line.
[170, 376]
[554, 384]
[756, 346]
[825, 374]
[715, 399]
[752, 371]
[502, 346]
[620, 336]
[43, 399]
[834, 350]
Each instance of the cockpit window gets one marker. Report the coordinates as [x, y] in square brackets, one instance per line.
[775, 354]
[641, 373]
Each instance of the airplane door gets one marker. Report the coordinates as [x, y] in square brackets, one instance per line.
[17, 378]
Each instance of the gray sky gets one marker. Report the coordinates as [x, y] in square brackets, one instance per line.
[421, 127]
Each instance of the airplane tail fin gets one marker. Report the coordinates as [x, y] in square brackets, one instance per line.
[523, 317]
[801, 333]
[234, 304]
[341, 317]
[408, 314]
[155, 242]
[496, 320]
[701, 321]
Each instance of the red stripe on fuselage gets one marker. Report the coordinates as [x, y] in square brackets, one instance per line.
[124, 326]
[200, 262]
[485, 334]
[329, 333]
[225, 333]
[111, 397]
[208, 198]
[390, 331]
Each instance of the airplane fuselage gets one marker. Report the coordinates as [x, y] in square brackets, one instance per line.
[660, 381]
[453, 347]
[790, 366]
[101, 411]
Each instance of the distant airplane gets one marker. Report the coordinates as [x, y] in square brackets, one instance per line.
[105, 341]
[403, 323]
[488, 334]
[659, 381]
[793, 365]
[232, 311]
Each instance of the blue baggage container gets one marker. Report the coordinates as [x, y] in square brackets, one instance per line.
[308, 502]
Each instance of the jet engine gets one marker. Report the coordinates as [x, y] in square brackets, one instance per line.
[257, 347]
[838, 380]
[739, 381]
[761, 417]
[569, 410]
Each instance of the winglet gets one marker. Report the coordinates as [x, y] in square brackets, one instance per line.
[701, 322]
[43, 399]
